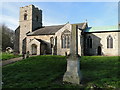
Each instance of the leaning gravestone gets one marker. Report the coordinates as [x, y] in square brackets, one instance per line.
[72, 74]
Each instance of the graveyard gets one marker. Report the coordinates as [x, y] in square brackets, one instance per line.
[71, 54]
[46, 72]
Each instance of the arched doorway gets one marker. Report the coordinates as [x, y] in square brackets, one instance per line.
[99, 50]
[34, 49]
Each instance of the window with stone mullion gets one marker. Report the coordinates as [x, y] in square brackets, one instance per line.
[68, 42]
[65, 41]
[109, 42]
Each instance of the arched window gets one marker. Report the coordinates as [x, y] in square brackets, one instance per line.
[109, 42]
[52, 41]
[89, 42]
[37, 18]
[25, 16]
[65, 39]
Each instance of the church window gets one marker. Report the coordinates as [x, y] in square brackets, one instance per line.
[109, 42]
[52, 41]
[37, 18]
[65, 39]
[25, 16]
[89, 42]
[68, 43]
[62, 41]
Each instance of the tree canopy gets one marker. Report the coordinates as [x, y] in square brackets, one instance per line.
[7, 37]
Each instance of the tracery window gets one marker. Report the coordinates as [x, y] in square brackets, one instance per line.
[109, 42]
[89, 42]
[65, 39]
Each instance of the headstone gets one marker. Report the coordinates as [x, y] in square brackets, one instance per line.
[72, 73]
[27, 55]
[24, 56]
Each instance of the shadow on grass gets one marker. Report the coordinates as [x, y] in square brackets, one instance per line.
[102, 71]
[47, 72]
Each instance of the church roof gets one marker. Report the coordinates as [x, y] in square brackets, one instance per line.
[51, 30]
[81, 26]
[47, 30]
[102, 29]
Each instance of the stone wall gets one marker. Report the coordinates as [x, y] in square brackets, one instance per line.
[61, 51]
[100, 39]
[30, 43]
[30, 23]
[45, 38]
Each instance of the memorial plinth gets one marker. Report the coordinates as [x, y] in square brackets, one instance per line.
[72, 73]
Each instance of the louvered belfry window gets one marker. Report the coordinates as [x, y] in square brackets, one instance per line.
[25, 16]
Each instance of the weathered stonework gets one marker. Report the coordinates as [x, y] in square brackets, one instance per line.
[34, 23]
[100, 39]
[30, 24]
[72, 73]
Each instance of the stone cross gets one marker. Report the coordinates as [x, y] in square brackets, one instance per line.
[72, 73]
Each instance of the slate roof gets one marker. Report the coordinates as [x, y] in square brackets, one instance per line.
[51, 30]
[102, 29]
[47, 30]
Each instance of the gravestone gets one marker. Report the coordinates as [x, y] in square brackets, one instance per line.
[28, 54]
[72, 73]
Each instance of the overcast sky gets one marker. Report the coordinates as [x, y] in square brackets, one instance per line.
[54, 13]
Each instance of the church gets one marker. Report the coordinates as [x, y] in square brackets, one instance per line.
[34, 38]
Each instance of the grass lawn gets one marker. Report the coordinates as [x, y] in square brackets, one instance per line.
[6, 56]
[46, 72]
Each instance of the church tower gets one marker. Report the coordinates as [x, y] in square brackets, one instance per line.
[30, 19]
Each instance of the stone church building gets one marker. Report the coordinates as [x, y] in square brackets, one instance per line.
[33, 37]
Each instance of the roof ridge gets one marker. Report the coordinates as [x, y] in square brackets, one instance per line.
[54, 25]
[105, 26]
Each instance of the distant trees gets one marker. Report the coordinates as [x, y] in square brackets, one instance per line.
[8, 36]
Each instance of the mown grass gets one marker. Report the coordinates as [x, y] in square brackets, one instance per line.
[46, 72]
[6, 56]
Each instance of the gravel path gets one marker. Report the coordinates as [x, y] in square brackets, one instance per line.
[11, 61]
